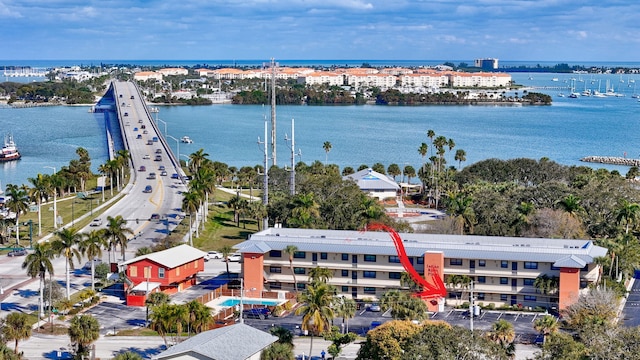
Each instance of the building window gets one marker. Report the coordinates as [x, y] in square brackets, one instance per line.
[369, 258]
[276, 285]
[299, 255]
[345, 257]
[302, 286]
[455, 262]
[345, 289]
[395, 275]
[275, 270]
[530, 298]
[420, 260]
[394, 259]
[369, 274]
[323, 256]
[299, 270]
[528, 282]
[482, 279]
[504, 281]
[275, 253]
[482, 263]
[161, 273]
[530, 265]
[345, 273]
[504, 264]
[369, 290]
[504, 297]
[133, 271]
[480, 296]
[454, 295]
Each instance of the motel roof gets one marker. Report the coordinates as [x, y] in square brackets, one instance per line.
[172, 257]
[561, 252]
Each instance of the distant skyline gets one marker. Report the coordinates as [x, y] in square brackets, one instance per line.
[544, 30]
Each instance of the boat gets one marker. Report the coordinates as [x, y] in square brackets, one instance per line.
[9, 150]
[186, 140]
[574, 95]
[554, 79]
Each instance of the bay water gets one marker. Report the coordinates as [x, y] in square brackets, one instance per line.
[564, 132]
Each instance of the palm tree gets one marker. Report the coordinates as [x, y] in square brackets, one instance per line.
[546, 325]
[65, 245]
[320, 274]
[16, 328]
[394, 170]
[83, 331]
[422, 150]
[291, 250]
[571, 204]
[91, 246]
[629, 213]
[277, 351]
[196, 160]
[38, 263]
[39, 191]
[190, 203]
[460, 156]
[459, 206]
[306, 211]
[346, 309]
[316, 310]
[327, 147]
[17, 203]
[199, 317]
[226, 250]
[502, 333]
[117, 232]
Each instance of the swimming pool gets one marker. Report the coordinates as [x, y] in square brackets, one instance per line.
[234, 302]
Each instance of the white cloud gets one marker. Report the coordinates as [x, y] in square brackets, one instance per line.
[5, 11]
[579, 34]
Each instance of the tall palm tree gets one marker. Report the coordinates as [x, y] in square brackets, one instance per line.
[226, 251]
[83, 331]
[65, 245]
[199, 317]
[346, 309]
[316, 310]
[16, 328]
[422, 150]
[39, 191]
[290, 250]
[38, 263]
[629, 213]
[460, 156]
[327, 147]
[196, 160]
[190, 203]
[91, 246]
[117, 232]
[17, 203]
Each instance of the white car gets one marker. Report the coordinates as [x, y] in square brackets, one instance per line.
[96, 222]
[96, 261]
[213, 255]
[146, 157]
[235, 257]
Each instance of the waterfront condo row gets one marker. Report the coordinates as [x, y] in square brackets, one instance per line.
[366, 264]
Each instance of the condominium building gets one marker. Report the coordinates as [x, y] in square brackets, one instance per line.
[367, 264]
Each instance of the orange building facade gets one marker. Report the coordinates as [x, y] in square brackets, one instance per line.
[366, 265]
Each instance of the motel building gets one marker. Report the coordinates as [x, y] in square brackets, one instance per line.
[366, 264]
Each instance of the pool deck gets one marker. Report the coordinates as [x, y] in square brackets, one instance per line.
[216, 304]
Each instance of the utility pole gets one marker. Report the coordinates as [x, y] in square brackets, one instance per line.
[265, 184]
[292, 184]
[273, 111]
[471, 307]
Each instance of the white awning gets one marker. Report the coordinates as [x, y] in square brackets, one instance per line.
[143, 286]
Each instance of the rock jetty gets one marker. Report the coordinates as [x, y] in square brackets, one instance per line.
[613, 160]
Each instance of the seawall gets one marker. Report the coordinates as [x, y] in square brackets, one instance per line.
[613, 160]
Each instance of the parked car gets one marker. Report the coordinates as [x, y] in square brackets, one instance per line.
[17, 252]
[375, 307]
[213, 255]
[147, 189]
[155, 216]
[235, 257]
[257, 313]
[96, 222]
[96, 262]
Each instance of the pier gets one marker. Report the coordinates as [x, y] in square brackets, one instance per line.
[612, 160]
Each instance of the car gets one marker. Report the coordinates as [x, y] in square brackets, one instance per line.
[151, 176]
[132, 97]
[257, 313]
[235, 257]
[87, 265]
[375, 307]
[158, 151]
[175, 176]
[155, 139]
[17, 252]
[142, 168]
[146, 157]
[127, 124]
[120, 95]
[124, 103]
[139, 136]
[213, 255]
[139, 121]
[163, 173]
[375, 324]
[143, 126]
[126, 114]
[147, 189]
[161, 167]
[145, 132]
[96, 222]
[149, 142]
[155, 216]
[158, 158]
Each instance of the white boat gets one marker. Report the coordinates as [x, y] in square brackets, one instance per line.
[574, 95]
[186, 140]
[554, 79]
[9, 150]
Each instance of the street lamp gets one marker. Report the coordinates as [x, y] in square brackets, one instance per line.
[186, 157]
[55, 203]
[177, 146]
[165, 125]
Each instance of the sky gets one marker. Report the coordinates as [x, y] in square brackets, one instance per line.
[518, 30]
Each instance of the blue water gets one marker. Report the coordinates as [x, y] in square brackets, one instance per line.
[234, 302]
[564, 132]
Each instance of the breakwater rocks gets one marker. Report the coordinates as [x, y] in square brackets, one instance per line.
[613, 160]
